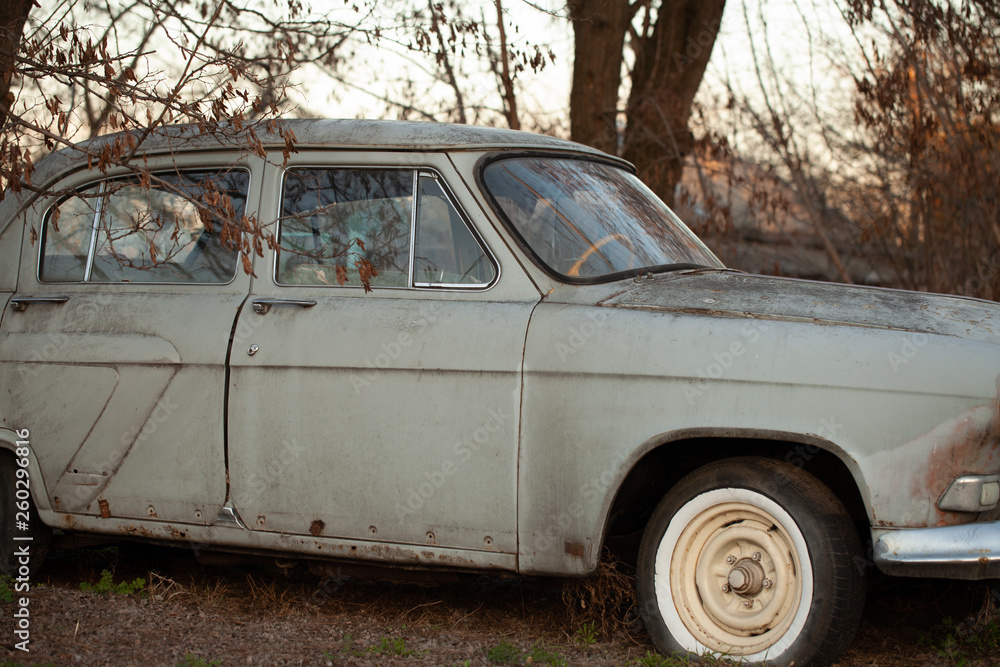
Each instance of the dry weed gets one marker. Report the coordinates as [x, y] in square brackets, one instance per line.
[162, 589]
[606, 599]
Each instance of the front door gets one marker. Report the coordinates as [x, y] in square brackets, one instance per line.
[389, 415]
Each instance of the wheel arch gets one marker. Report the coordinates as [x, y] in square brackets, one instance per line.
[9, 446]
[656, 466]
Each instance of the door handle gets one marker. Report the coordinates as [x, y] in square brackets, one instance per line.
[21, 303]
[262, 306]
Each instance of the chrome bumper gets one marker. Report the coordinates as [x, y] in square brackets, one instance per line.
[970, 551]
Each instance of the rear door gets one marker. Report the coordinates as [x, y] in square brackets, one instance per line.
[389, 415]
[113, 350]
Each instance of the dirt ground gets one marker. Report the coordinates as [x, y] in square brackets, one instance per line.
[192, 614]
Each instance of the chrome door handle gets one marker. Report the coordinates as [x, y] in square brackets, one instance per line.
[21, 303]
[261, 306]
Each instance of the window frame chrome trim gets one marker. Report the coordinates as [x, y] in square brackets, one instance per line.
[413, 285]
[102, 184]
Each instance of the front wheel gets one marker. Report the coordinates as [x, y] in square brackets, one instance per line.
[753, 559]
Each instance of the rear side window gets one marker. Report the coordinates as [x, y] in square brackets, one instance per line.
[172, 230]
[393, 227]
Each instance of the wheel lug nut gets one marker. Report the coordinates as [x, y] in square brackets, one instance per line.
[767, 583]
[725, 588]
[730, 559]
[748, 603]
[756, 555]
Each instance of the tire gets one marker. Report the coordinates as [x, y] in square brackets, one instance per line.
[39, 534]
[754, 559]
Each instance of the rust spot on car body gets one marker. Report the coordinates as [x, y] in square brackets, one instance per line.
[918, 473]
[316, 527]
[136, 530]
[105, 508]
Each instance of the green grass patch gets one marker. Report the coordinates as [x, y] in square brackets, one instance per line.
[106, 585]
[506, 653]
[393, 647]
[192, 660]
[6, 589]
[586, 635]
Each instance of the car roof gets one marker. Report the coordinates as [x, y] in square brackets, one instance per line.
[326, 133]
[310, 134]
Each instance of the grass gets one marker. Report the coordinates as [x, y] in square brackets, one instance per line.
[385, 647]
[586, 635]
[962, 644]
[6, 588]
[106, 585]
[506, 653]
[393, 647]
[192, 660]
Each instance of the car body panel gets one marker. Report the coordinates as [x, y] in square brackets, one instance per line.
[600, 380]
[125, 397]
[484, 429]
[407, 400]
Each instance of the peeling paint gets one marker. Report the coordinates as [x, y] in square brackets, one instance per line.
[911, 478]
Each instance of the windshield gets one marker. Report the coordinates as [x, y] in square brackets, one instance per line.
[588, 221]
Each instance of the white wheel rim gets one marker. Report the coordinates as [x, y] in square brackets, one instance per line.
[691, 570]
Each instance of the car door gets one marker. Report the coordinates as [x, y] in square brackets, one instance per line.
[113, 350]
[388, 415]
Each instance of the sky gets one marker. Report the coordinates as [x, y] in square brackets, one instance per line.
[790, 32]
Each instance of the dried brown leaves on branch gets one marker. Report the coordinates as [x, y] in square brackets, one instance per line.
[929, 104]
[71, 73]
[898, 178]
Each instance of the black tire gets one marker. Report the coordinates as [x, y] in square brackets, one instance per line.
[757, 530]
[11, 513]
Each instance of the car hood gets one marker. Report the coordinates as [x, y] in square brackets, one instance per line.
[732, 294]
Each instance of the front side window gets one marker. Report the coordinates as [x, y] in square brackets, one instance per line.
[378, 227]
[171, 229]
[590, 221]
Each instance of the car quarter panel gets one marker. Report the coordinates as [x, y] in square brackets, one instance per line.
[603, 385]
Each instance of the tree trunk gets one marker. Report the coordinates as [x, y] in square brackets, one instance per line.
[669, 66]
[13, 16]
[599, 28]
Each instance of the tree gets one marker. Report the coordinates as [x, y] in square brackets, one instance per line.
[893, 157]
[671, 43]
[929, 106]
[145, 66]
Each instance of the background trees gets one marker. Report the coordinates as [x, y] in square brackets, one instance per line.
[871, 143]
[668, 44]
[886, 147]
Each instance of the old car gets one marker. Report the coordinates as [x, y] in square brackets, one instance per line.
[467, 349]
